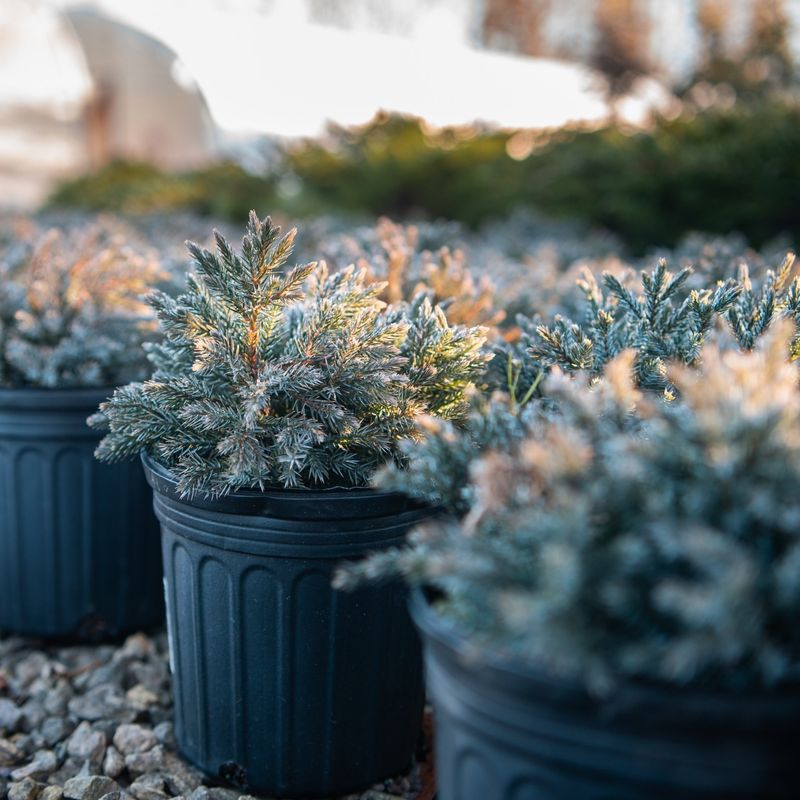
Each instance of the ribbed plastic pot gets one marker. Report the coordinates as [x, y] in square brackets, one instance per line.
[506, 732]
[283, 685]
[79, 543]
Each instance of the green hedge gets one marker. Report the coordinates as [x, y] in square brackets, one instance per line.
[224, 190]
[717, 171]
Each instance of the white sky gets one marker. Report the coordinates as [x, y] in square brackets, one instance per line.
[311, 73]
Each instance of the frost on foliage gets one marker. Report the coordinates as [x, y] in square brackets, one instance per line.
[270, 376]
[627, 537]
[666, 321]
[71, 312]
[410, 260]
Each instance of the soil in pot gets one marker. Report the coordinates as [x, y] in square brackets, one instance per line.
[284, 686]
[79, 543]
[505, 731]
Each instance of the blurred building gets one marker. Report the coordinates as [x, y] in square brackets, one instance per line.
[79, 88]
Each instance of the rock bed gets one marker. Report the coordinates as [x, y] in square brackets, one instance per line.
[95, 722]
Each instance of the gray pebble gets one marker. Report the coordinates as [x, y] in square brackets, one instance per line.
[152, 760]
[102, 702]
[51, 793]
[165, 733]
[44, 764]
[113, 763]
[181, 778]
[141, 698]
[55, 703]
[148, 787]
[32, 715]
[10, 716]
[10, 754]
[26, 789]
[92, 787]
[85, 743]
[31, 667]
[56, 729]
[69, 769]
[131, 739]
[219, 793]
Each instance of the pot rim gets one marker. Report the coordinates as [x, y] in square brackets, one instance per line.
[334, 502]
[625, 696]
[36, 398]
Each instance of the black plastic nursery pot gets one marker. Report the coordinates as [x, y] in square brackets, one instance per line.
[79, 544]
[283, 685]
[505, 731]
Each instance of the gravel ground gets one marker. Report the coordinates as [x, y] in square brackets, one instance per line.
[91, 722]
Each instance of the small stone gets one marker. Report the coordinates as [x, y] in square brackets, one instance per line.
[134, 739]
[25, 743]
[219, 793]
[148, 787]
[51, 793]
[153, 676]
[10, 754]
[10, 716]
[181, 778]
[56, 729]
[44, 764]
[141, 698]
[32, 715]
[136, 647]
[101, 702]
[26, 789]
[200, 793]
[113, 763]
[112, 673]
[69, 769]
[118, 795]
[31, 667]
[150, 761]
[371, 794]
[55, 703]
[92, 787]
[165, 733]
[87, 744]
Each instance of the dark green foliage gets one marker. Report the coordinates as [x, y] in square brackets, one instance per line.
[395, 166]
[70, 309]
[717, 171]
[665, 323]
[224, 190]
[627, 537]
[269, 376]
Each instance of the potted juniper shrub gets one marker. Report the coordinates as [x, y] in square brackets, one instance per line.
[615, 614]
[277, 393]
[79, 547]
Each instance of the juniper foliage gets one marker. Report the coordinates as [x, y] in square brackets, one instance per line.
[290, 377]
[760, 302]
[70, 308]
[661, 325]
[661, 545]
[437, 464]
